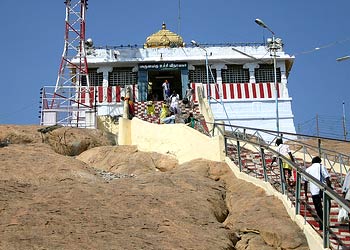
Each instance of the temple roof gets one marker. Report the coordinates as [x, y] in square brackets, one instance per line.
[164, 39]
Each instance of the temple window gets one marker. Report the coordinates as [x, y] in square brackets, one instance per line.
[265, 73]
[96, 79]
[235, 74]
[199, 75]
[122, 76]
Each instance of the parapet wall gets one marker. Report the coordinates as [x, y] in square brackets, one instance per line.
[179, 140]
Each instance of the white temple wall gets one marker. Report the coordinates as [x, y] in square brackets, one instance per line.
[250, 104]
[255, 114]
[252, 109]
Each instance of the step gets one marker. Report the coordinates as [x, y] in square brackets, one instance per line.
[252, 164]
[141, 107]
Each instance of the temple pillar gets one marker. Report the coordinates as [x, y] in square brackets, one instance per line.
[251, 67]
[142, 85]
[284, 88]
[218, 68]
[105, 71]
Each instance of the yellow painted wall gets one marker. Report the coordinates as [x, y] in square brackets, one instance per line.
[178, 140]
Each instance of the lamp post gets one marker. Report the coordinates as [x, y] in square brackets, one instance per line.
[273, 47]
[344, 122]
[339, 59]
[194, 43]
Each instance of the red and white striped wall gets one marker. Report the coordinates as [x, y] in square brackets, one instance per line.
[234, 91]
[100, 94]
[230, 91]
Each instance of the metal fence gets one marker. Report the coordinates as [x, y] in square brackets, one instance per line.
[247, 149]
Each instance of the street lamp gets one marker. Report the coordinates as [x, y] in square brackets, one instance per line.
[344, 122]
[273, 46]
[194, 43]
[343, 58]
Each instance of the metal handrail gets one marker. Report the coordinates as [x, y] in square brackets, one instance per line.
[242, 138]
[287, 136]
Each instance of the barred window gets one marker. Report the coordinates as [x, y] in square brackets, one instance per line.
[265, 73]
[96, 79]
[235, 74]
[122, 76]
[200, 75]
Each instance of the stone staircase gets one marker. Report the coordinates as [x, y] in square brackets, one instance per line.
[251, 163]
[141, 107]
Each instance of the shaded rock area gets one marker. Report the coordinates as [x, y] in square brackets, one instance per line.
[128, 161]
[116, 197]
[73, 141]
[63, 140]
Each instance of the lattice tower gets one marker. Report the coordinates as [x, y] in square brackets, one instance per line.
[73, 67]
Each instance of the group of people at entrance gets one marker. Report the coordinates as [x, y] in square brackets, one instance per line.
[170, 114]
[172, 97]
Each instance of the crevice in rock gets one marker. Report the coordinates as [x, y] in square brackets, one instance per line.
[234, 237]
[219, 206]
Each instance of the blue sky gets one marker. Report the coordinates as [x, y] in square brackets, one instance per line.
[32, 44]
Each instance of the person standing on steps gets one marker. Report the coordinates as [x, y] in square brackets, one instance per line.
[283, 149]
[174, 103]
[189, 96]
[318, 171]
[346, 187]
[166, 90]
[346, 194]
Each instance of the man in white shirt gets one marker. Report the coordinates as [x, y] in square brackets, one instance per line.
[318, 171]
[166, 90]
[346, 186]
[174, 103]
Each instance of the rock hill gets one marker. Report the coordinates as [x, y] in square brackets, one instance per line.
[74, 189]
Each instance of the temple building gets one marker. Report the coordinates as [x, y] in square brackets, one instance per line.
[238, 78]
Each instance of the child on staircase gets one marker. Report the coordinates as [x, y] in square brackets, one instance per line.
[283, 149]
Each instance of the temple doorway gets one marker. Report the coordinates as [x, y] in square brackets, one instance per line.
[156, 79]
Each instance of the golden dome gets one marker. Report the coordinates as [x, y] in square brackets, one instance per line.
[164, 39]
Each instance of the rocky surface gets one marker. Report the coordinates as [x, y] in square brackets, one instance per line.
[75, 189]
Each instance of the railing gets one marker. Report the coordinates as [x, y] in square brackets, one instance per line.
[229, 44]
[79, 105]
[237, 140]
[66, 105]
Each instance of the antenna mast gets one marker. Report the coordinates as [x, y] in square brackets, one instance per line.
[72, 73]
[179, 19]
[66, 105]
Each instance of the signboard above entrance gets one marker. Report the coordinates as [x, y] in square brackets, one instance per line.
[163, 66]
